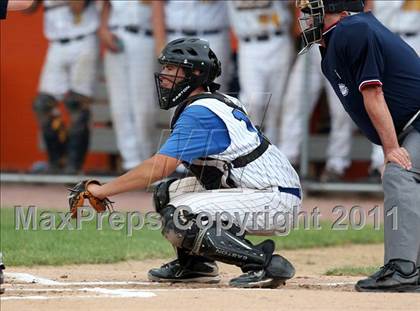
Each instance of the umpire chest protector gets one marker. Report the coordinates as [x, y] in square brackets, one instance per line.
[247, 142]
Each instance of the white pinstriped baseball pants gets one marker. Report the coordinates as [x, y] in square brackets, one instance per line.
[257, 211]
[262, 78]
[130, 86]
[70, 66]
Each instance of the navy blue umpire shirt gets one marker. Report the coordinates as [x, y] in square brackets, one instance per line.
[360, 51]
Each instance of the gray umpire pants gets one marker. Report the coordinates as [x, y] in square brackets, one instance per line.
[402, 204]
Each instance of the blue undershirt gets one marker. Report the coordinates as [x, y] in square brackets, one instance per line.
[198, 132]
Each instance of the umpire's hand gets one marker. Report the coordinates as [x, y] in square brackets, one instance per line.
[400, 156]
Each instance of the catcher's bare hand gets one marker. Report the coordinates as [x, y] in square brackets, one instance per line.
[81, 191]
[94, 189]
[400, 156]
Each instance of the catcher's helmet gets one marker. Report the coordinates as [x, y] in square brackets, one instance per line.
[314, 11]
[200, 66]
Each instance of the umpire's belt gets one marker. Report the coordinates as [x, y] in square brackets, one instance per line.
[263, 37]
[253, 155]
[194, 33]
[133, 29]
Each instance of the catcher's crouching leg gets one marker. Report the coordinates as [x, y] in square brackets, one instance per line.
[261, 267]
[186, 267]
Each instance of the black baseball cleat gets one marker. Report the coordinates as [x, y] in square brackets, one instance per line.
[256, 279]
[278, 271]
[396, 276]
[192, 271]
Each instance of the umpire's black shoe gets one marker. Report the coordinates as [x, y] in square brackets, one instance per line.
[396, 276]
[192, 271]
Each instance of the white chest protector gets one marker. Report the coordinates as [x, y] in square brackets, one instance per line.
[249, 161]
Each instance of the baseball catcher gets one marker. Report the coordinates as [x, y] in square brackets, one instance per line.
[237, 175]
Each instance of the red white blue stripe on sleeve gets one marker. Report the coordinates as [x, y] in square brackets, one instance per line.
[369, 83]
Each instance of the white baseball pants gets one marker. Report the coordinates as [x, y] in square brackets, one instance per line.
[257, 211]
[130, 84]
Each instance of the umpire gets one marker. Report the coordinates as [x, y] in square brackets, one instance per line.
[376, 75]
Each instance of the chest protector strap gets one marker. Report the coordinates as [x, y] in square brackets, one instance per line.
[213, 177]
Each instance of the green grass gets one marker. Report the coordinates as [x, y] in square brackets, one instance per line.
[352, 271]
[88, 245]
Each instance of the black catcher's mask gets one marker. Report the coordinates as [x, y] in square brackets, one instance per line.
[312, 20]
[199, 63]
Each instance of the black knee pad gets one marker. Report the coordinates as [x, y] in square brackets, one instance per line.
[77, 105]
[76, 102]
[161, 194]
[44, 105]
[172, 231]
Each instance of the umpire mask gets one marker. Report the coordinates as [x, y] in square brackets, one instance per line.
[192, 64]
[311, 20]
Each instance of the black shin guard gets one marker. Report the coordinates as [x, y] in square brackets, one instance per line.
[226, 247]
[52, 127]
[78, 134]
[229, 248]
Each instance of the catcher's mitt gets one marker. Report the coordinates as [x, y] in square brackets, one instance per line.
[79, 193]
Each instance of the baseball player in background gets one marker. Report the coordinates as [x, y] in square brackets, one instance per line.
[207, 19]
[129, 65]
[262, 27]
[376, 76]
[236, 172]
[403, 18]
[68, 74]
[304, 87]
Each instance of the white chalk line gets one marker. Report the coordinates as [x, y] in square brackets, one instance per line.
[61, 297]
[113, 293]
[29, 278]
[336, 284]
[40, 290]
[110, 293]
[103, 293]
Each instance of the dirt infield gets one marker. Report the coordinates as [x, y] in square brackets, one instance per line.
[125, 286]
